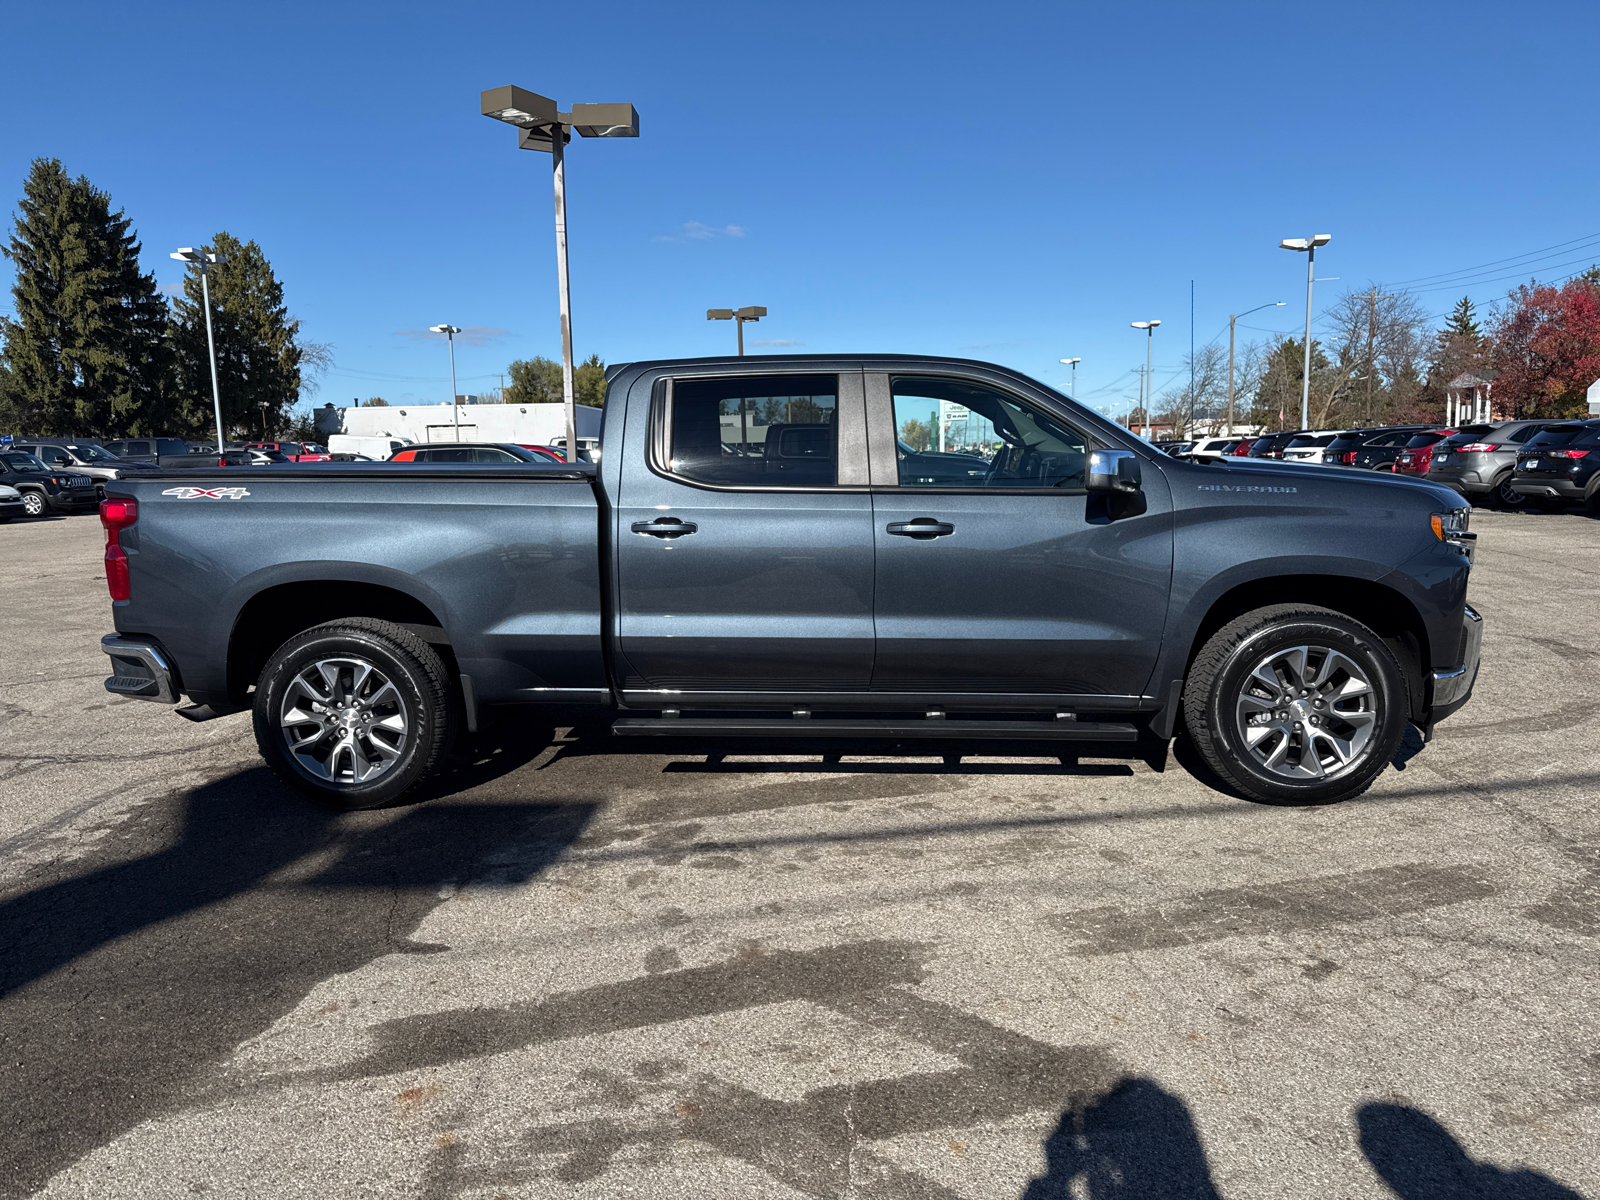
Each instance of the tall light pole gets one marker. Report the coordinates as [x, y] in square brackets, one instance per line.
[450, 332]
[738, 316]
[1073, 363]
[1149, 369]
[542, 126]
[1232, 317]
[1308, 246]
[189, 254]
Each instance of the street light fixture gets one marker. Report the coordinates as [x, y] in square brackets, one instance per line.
[1149, 370]
[1308, 247]
[1232, 317]
[739, 316]
[189, 254]
[450, 332]
[1073, 363]
[542, 126]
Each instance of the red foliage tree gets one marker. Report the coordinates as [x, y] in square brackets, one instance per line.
[1546, 346]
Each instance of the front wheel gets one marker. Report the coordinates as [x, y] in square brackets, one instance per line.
[33, 504]
[354, 713]
[1293, 704]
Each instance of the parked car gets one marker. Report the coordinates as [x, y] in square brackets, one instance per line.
[1311, 447]
[10, 503]
[1561, 464]
[1088, 589]
[1173, 447]
[98, 463]
[1417, 455]
[247, 457]
[342, 457]
[44, 490]
[1242, 450]
[1272, 445]
[1479, 460]
[546, 451]
[1378, 448]
[470, 452]
[1217, 447]
[146, 450]
[293, 451]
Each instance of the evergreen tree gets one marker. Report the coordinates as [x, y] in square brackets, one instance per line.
[86, 354]
[1463, 322]
[258, 355]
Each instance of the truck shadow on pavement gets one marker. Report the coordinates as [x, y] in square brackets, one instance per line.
[202, 919]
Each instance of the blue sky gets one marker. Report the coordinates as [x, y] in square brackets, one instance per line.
[1013, 182]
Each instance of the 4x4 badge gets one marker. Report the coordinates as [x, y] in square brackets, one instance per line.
[195, 493]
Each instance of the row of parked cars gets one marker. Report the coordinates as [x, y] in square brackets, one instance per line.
[1508, 463]
[40, 477]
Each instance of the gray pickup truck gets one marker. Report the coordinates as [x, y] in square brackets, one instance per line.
[903, 549]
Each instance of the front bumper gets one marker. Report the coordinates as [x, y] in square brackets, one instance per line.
[1452, 686]
[140, 669]
[73, 499]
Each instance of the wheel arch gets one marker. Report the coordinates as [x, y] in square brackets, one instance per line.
[275, 614]
[1387, 612]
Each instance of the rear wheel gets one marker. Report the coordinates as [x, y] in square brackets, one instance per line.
[354, 713]
[1294, 704]
[33, 504]
[1505, 497]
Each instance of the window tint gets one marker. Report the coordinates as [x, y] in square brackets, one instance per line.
[951, 433]
[1518, 436]
[1589, 437]
[1556, 435]
[22, 462]
[1321, 439]
[756, 431]
[490, 455]
[141, 448]
[1422, 439]
[451, 455]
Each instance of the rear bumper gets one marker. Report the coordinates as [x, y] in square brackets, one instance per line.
[140, 669]
[1452, 686]
[1563, 489]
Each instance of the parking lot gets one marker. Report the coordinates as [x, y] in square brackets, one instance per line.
[585, 969]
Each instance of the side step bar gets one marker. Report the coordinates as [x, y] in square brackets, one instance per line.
[787, 727]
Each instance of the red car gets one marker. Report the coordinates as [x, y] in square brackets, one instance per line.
[293, 451]
[1416, 457]
[1242, 450]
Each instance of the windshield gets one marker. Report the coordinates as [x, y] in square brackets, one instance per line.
[1321, 439]
[94, 454]
[22, 462]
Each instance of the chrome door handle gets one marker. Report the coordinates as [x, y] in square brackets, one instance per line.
[922, 528]
[664, 527]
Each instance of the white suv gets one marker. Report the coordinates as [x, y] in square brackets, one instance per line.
[1310, 447]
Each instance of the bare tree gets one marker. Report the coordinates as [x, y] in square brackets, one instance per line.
[1198, 405]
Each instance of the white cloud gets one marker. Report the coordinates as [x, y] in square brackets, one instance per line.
[778, 342]
[695, 231]
[470, 335]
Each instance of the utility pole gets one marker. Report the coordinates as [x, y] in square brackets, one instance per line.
[1372, 336]
[502, 376]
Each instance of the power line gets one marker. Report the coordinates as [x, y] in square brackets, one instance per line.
[1590, 238]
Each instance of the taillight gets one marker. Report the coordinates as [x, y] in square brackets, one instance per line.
[1477, 448]
[1567, 453]
[117, 515]
[1349, 456]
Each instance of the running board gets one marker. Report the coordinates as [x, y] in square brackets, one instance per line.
[789, 727]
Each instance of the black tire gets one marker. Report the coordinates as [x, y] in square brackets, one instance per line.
[351, 724]
[1504, 497]
[1214, 698]
[33, 504]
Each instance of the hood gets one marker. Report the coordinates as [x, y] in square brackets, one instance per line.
[1311, 476]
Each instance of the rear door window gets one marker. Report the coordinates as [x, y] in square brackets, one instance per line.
[452, 455]
[755, 431]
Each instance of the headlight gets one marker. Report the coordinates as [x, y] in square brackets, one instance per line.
[1451, 528]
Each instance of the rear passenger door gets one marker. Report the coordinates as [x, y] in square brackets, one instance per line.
[743, 536]
[996, 572]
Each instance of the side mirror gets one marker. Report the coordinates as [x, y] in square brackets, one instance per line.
[1114, 472]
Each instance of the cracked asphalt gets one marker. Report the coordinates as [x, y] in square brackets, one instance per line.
[586, 969]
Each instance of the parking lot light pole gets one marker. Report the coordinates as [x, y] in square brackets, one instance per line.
[450, 332]
[1149, 369]
[1307, 246]
[1073, 363]
[189, 254]
[1232, 317]
[738, 316]
[542, 126]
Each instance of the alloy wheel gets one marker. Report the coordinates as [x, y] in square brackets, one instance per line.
[1507, 496]
[343, 720]
[1306, 712]
[33, 504]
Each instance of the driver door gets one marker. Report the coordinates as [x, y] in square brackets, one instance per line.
[994, 573]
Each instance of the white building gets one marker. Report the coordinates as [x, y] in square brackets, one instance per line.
[524, 424]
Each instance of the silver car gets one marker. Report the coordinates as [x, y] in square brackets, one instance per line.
[10, 503]
[96, 462]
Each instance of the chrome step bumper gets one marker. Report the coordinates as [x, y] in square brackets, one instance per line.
[140, 670]
[1452, 686]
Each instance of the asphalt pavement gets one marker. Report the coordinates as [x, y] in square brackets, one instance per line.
[582, 968]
